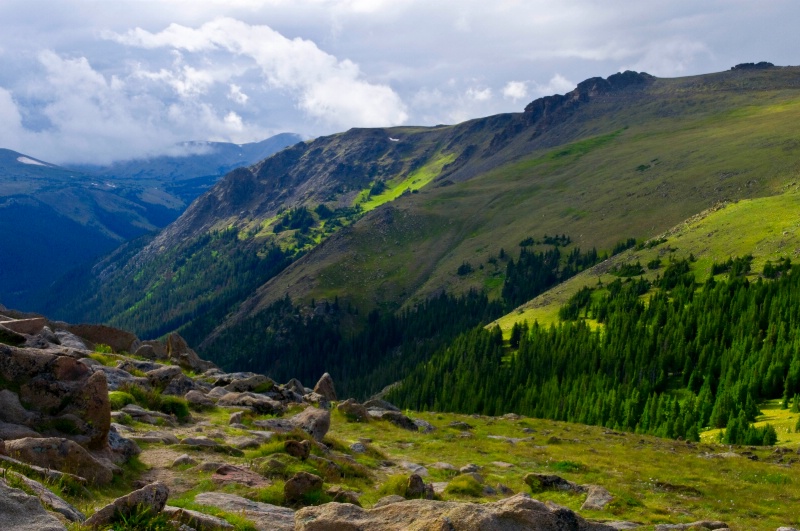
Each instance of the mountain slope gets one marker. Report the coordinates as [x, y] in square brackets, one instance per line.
[405, 208]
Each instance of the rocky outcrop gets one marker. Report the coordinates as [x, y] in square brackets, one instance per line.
[179, 352]
[22, 512]
[353, 410]
[118, 340]
[48, 499]
[65, 395]
[325, 388]
[518, 513]
[152, 497]
[300, 485]
[265, 516]
[60, 454]
[314, 421]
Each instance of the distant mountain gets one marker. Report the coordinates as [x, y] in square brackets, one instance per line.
[79, 214]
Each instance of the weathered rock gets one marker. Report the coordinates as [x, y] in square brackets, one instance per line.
[203, 442]
[184, 459]
[29, 326]
[540, 482]
[122, 447]
[10, 337]
[469, 468]
[314, 421]
[330, 470]
[415, 487]
[22, 512]
[701, 524]
[300, 485]
[48, 499]
[255, 383]
[597, 498]
[70, 340]
[325, 387]
[228, 474]
[354, 410]
[258, 403]
[244, 442]
[377, 403]
[179, 386]
[415, 468]
[386, 500]
[518, 513]
[341, 495]
[395, 417]
[140, 414]
[236, 417]
[295, 385]
[358, 447]
[60, 454]
[266, 517]
[196, 520]
[116, 378]
[179, 352]
[54, 386]
[44, 473]
[9, 432]
[152, 497]
[423, 425]
[160, 377]
[118, 340]
[198, 400]
[298, 449]
[787, 529]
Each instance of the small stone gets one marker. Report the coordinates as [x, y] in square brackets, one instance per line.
[358, 448]
[298, 449]
[415, 487]
[300, 485]
[469, 468]
[184, 459]
[597, 498]
[235, 418]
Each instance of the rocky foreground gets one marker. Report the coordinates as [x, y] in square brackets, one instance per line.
[77, 412]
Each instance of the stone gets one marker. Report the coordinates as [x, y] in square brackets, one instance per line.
[140, 414]
[70, 340]
[386, 500]
[116, 378]
[415, 486]
[9, 432]
[298, 449]
[341, 495]
[377, 403]
[353, 410]
[395, 417]
[146, 351]
[10, 337]
[415, 468]
[184, 459]
[49, 499]
[160, 377]
[28, 327]
[11, 410]
[459, 425]
[152, 497]
[255, 383]
[314, 421]
[234, 475]
[236, 417]
[258, 403]
[295, 385]
[118, 340]
[244, 442]
[23, 512]
[179, 352]
[597, 498]
[208, 466]
[502, 464]
[442, 466]
[325, 387]
[330, 470]
[469, 468]
[358, 448]
[122, 447]
[196, 520]
[300, 485]
[44, 473]
[701, 524]
[203, 442]
[423, 425]
[265, 516]
[541, 482]
[518, 513]
[198, 400]
[787, 529]
[60, 454]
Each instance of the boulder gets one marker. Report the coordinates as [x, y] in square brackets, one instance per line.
[264, 515]
[295, 385]
[298, 449]
[198, 400]
[597, 498]
[122, 448]
[60, 454]
[23, 512]
[415, 487]
[540, 482]
[9, 432]
[325, 387]
[399, 420]
[258, 403]
[341, 495]
[179, 386]
[386, 500]
[70, 340]
[377, 403]
[10, 337]
[116, 377]
[236, 417]
[300, 485]
[118, 340]
[179, 352]
[48, 499]
[255, 383]
[160, 377]
[29, 326]
[152, 497]
[701, 524]
[314, 421]
[184, 459]
[518, 513]
[234, 475]
[196, 520]
[354, 410]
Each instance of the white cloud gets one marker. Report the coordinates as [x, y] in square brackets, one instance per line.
[326, 88]
[670, 57]
[558, 84]
[515, 90]
[235, 93]
[484, 94]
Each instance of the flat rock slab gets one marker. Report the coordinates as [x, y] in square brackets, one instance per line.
[265, 516]
[196, 519]
[228, 474]
[49, 499]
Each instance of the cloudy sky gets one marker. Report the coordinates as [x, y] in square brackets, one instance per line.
[96, 80]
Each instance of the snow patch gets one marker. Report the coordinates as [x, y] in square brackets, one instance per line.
[26, 160]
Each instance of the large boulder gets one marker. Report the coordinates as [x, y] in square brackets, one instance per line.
[264, 515]
[518, 513]
[48, 498]
[179, 352]
[66, 394]
[60, 454]
[314, 421]
[354, 410]
[151, 497]
[22, 512]
[11, 410]
[118, 340]
[300, 485]
[325, 387]
[253, 401]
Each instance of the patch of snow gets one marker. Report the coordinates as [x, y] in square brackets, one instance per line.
[26, 160]
[394, 139]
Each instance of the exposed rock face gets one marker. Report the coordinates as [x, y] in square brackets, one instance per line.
[11, 409]
[197, 520]
[265, 516]
[540, 482]
[22, 512]
[701, 524]
[49, 500]
[153, 497]
[518, 513]
[118, 340]
[60, 454]
[316, 422]
[325, 387]
[179, 352]
[64, 394]
[258, 403]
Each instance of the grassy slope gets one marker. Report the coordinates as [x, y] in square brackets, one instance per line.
[643, 168]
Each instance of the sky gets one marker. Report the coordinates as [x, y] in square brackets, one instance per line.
[94, 81]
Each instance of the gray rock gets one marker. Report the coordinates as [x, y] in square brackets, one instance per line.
[377, 403]
[314, 421]
[386, 500]
[198, 400]
[152, 497]
[597, 498]
[423, 425]
[184, 459]
[701, 524]
[235, 418]
[22, 512]
[300, 485]
[197, 520]
[70, 340]
[358, 448]
[325, 387]
[255, 383]
[295, 385]
[354, 410]
[415, 468]
[117, 378]
[258, 403]
[9, 432]
[122, 447]
[540, 482]
[49, 499]
[469, 468]
[60, 454]
[266, 517]
[180, 353]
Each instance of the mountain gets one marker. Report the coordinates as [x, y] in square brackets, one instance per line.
[385, 219]
[47, 210]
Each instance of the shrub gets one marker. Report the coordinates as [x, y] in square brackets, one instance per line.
[174, 405]
[395, 484]
[120, 399]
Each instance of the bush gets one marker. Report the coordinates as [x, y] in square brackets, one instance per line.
[120, 399]
[103, 348]
[155, 401]
[174, 405]
[395, 484]
[464, 485]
